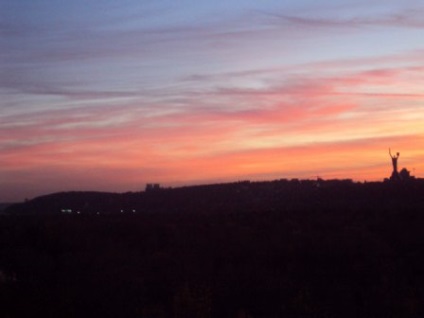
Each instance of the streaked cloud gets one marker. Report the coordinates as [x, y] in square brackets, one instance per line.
[117, 95]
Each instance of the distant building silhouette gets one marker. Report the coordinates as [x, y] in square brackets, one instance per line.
[152, 187]
[404, 174]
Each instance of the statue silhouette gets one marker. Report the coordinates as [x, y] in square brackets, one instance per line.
[395, 173]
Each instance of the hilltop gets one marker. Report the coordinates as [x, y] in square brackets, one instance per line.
[284, 248]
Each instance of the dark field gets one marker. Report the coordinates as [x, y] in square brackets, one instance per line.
[270, 249]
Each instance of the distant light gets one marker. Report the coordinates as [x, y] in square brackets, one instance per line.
[98, 213]
[78, 212]
[133, 211]
[122, 211]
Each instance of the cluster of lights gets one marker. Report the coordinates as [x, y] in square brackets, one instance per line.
[133, 211]
[69, 211]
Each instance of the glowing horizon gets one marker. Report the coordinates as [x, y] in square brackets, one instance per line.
[109, 97]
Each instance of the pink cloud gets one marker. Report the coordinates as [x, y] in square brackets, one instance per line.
[294, 126]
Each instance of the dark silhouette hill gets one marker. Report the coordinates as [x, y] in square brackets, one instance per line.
[219, 198]
[286, 248]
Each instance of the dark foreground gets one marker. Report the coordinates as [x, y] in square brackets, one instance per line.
[277, 249]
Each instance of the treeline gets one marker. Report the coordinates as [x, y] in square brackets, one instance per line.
[240, 196]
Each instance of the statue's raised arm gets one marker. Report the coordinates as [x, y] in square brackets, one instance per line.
[393, 157]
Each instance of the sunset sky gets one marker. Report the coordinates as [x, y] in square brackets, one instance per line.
[110, 95]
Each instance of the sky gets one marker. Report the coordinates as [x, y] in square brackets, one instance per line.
[110, 95]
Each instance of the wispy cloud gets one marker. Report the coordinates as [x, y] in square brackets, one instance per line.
[297, 107]
[157, 93]
[407, 18]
